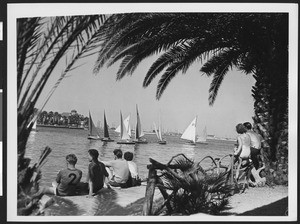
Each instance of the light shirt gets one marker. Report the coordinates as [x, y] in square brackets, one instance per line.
[133, 169]
[255, 139]
[120, 170]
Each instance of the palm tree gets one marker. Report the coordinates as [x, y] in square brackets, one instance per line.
[41, 44]
[254, 43]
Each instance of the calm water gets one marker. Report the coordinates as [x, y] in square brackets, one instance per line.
[65, 141]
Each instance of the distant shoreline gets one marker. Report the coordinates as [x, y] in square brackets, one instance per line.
[58, 126]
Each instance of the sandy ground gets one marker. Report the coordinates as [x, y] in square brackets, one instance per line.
[255, 198]
[258, 201]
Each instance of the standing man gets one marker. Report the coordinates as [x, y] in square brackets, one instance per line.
[255, 144]
[96, 173]
[120, 169]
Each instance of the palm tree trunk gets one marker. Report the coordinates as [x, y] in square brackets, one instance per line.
[271, 117]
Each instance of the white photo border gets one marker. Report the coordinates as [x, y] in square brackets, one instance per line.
[15, 11]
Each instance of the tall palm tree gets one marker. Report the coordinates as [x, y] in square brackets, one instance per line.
[255, 44]
[41, 44]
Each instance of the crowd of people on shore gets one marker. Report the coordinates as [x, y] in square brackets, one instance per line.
[120, 172]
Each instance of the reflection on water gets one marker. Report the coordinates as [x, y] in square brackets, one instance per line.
[66, 141]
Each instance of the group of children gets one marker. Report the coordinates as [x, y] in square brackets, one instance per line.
[117, 173]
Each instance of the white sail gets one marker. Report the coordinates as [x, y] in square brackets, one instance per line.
[159, 133]
[138, 129]
[127, 126]
[156, 132]
[34, 126]
[159, 129]
[190, 132]
[124, 133]
[203, 137]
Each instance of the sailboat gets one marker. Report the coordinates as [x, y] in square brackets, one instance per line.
[106, 133]
[190, 132]
[34, 126]
[34, 121]
[159, 136]
[127, 126]
[202, 138]
[138, 129]
[125, 138]
[93, 133]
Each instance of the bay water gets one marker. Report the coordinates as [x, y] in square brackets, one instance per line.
[64, 141]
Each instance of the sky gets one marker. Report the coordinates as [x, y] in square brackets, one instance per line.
[185, 97]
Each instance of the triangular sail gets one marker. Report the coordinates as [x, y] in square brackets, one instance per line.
[106, 133]
[159, 133]
[92, 129]
[203, 137]
[159, 129]
[138, 129]
[124, 134]
[127, 126]
[34, 126]
[156, 132]
[190, 132]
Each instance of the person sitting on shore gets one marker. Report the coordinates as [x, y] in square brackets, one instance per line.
[242, 152]
[255, 144]
[135, 180]
[66, 180]
[96, 173]
[120, 170]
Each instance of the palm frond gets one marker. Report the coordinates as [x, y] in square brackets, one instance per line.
[219, 65]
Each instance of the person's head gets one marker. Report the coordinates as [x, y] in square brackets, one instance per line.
[248, 125]
[118, 153]
[93, 154]
[71, 159]
[128, 156]
[240, 128]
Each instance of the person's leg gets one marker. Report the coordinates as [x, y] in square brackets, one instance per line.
[254, 158]
[238, 168]
[44, 190]
[110, 175]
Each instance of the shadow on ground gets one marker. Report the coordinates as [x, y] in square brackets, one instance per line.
[103, 204]
[278, 208]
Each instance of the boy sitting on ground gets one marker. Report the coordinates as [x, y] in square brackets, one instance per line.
[66, 180]
[96, 173]
[120, 171]
[135, 180]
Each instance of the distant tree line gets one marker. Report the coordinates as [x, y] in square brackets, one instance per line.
[65, 119]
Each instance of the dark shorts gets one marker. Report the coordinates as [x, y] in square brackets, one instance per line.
[254, 151]
[116, 184]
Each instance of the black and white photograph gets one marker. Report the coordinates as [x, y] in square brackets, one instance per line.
[181, 112]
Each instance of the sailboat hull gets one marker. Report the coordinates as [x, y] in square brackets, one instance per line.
[202, 143]
[94, 137]
[141, 141]
[107, 140]
[162, 142]
[126, 142]
[190, 143]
